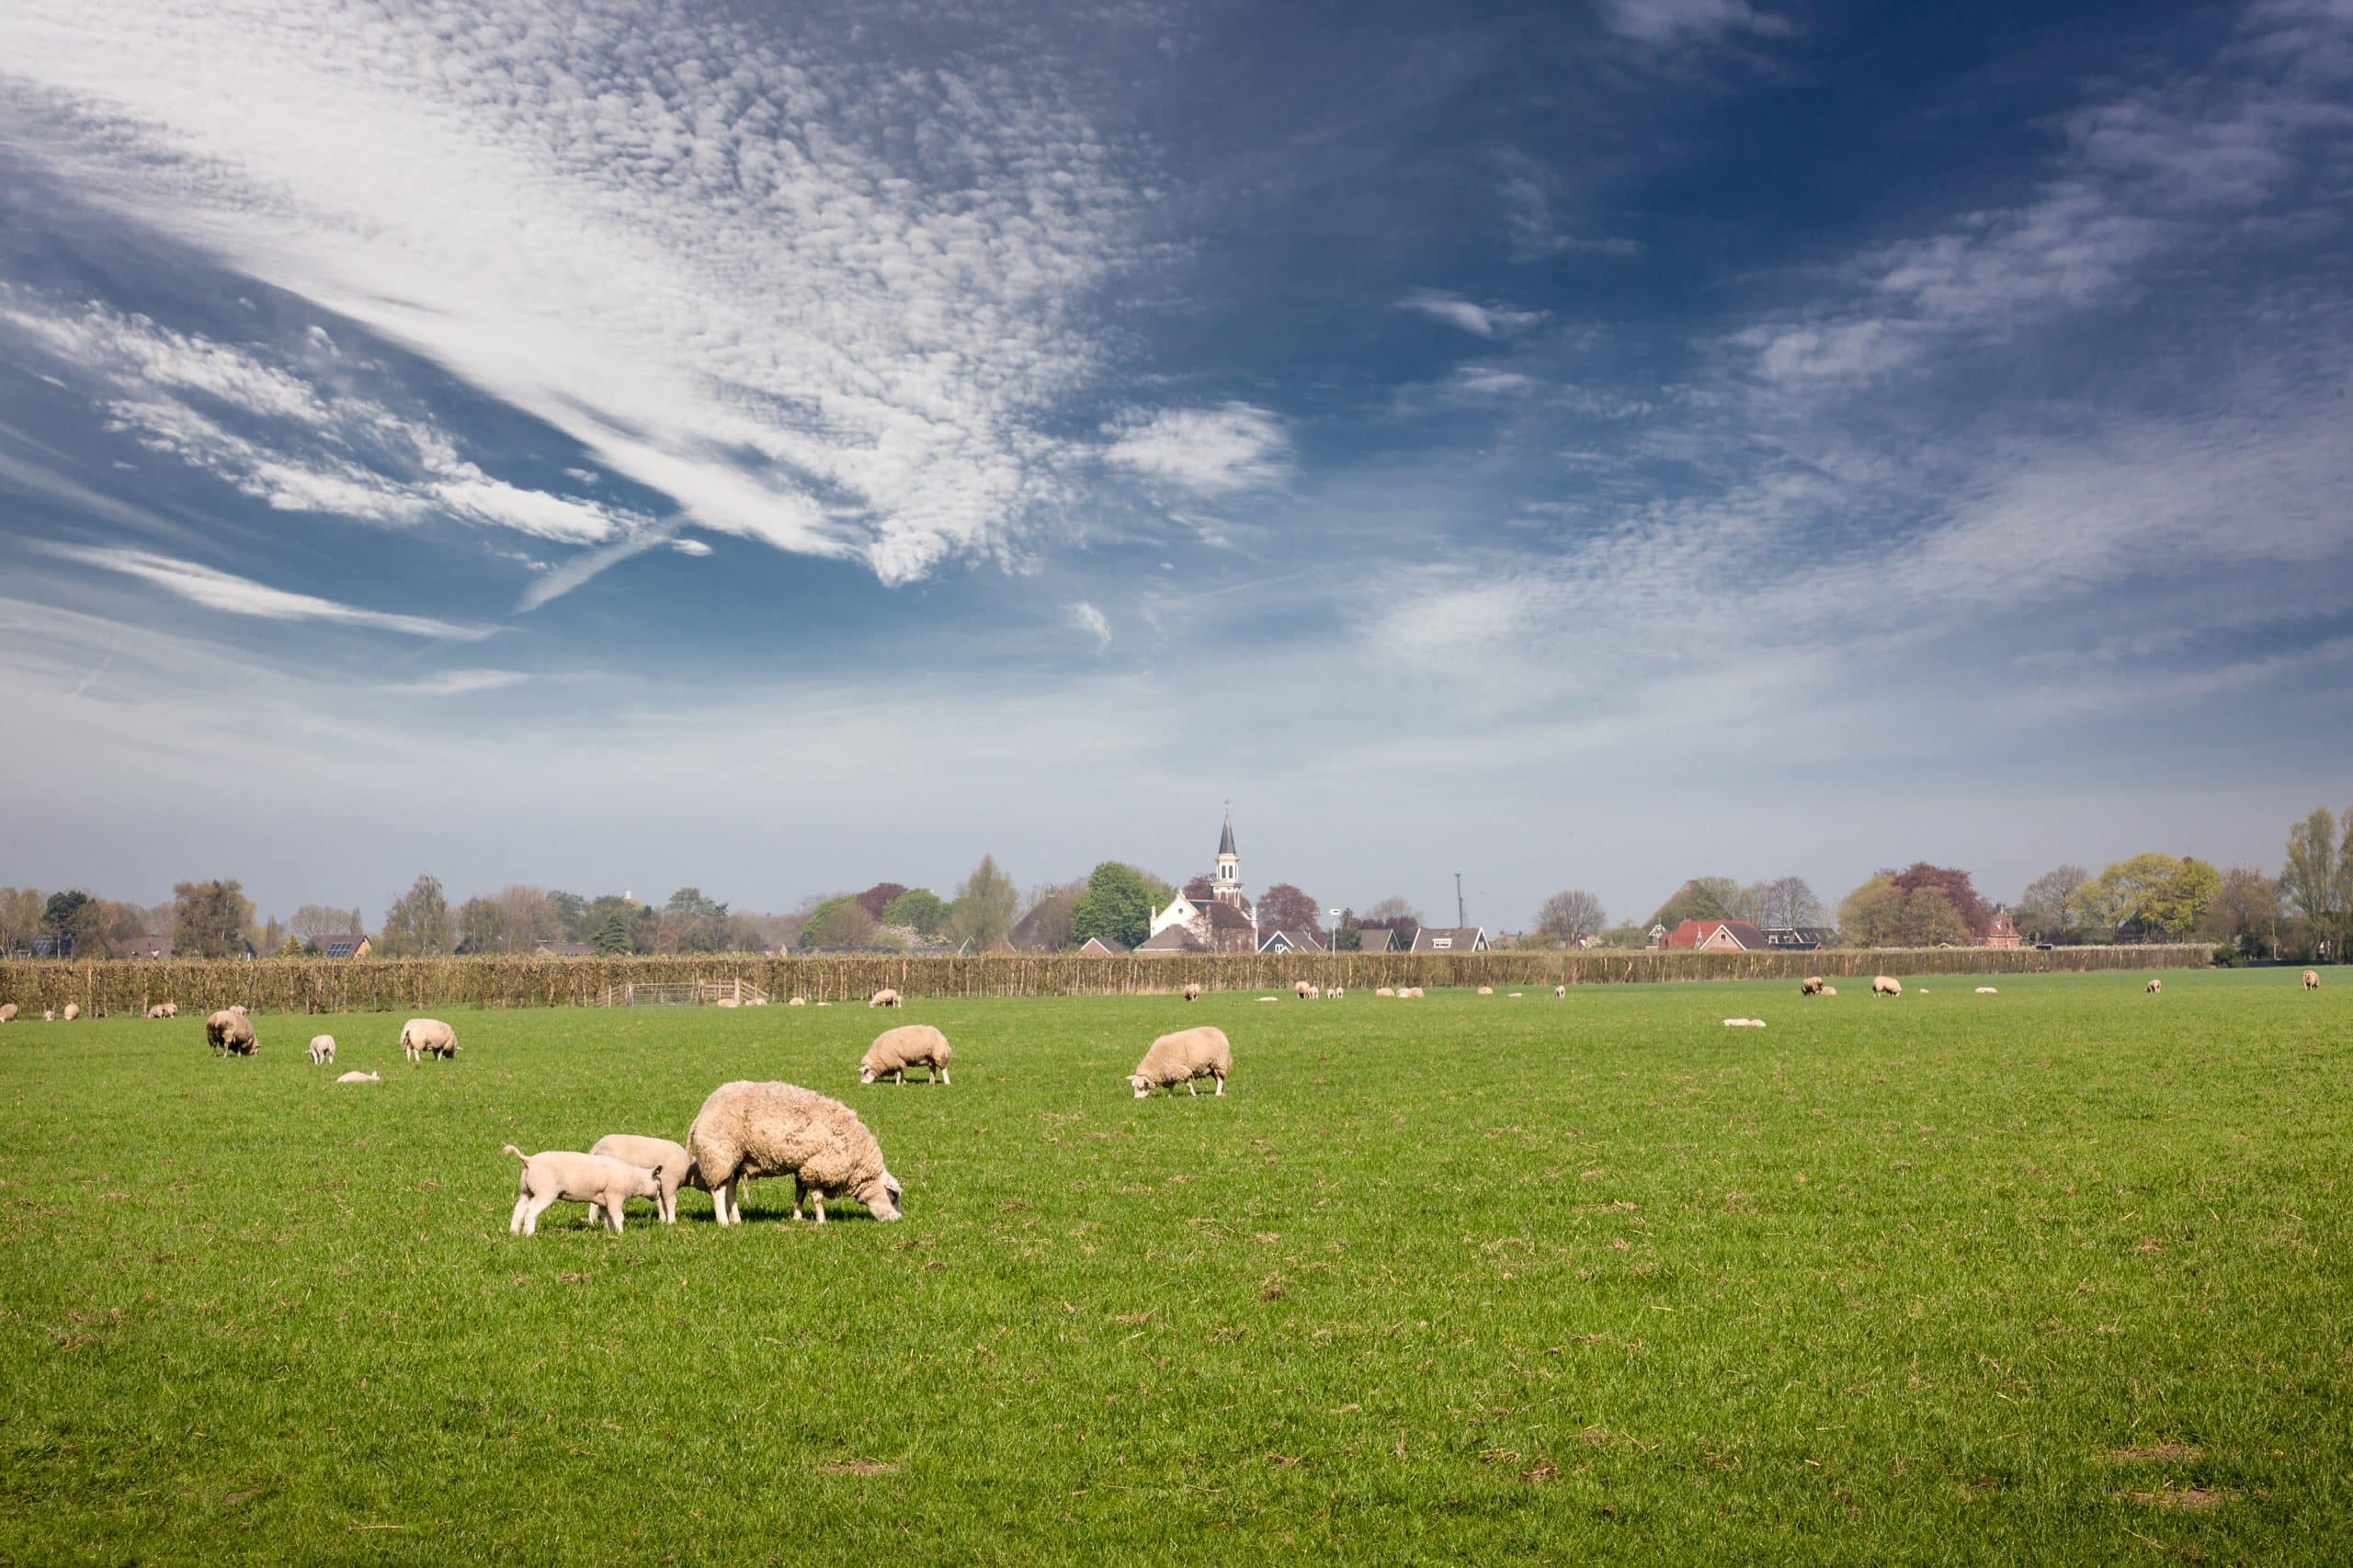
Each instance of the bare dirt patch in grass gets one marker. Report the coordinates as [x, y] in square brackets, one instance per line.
[861, 1467]
[2170, 1453]
[2182, 1499]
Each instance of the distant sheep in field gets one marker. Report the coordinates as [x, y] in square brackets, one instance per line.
[798, 1002]
[1384, 991]
[728, 1002]
[48, 1015]
[238, 1008]
[1809, 986]
[1884, 985]
[231, 1034]
[428, 1036]
[321, 1049]
[558, 1175]
[1560, 992]
[1987, 991]
[2311, 980]
[73, 1011]
[677, 1168]
[1334, 993]
[157, 1010]
[886, 997]
[1181, 1058]
[1413, 992]
[910, 1045]
[1304, 990]
[1744, 1023]
[747, 1129]
[1192, 991]
[1830, 991]
[1514, 996]
[8, 1009]
[1487, 991]
[2154, 986]
[356, 1076]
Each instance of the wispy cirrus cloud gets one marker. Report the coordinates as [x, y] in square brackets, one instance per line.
[1092, 621]
[1683, 21]
[232, 595]
[1480, 321]
[1218, 451]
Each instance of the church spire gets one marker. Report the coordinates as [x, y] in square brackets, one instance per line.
[1225, 840]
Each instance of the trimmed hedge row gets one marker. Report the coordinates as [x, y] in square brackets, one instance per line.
[362, 986]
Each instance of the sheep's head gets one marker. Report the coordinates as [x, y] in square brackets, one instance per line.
[1140, 1084]
[865, 1074]
[881, 1196]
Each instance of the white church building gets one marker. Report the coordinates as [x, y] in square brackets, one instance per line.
[1220, 921]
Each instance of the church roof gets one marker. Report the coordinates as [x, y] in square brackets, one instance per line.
[1225, 839]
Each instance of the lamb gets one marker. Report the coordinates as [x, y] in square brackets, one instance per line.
[909, 1045]
[1809, 986]
[238, 1008]
[73, 1011]
[674, 1166]
[602, 1182]
[48, 1015]
[1830, 991]
[886, 997]
[1182, 1057]
[1336, 993]
[1987, 991]
[428, 1036]
[728, 1002]
[798, 1002]
[230, 1034]
[1192, 991]
[356, 1076]
[321, 1049]
[1883, 986]
[1487, 991]
[1384, 991]
[8, 1009]
[1410, 992]
[2312, 982]
[155, 1010]
[2154, 986]
[747, 1129]
[1560, 992]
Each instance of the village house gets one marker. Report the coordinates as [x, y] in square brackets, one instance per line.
[1450, 940]
[1711, 936]
[1220, 921]
[2000, 930]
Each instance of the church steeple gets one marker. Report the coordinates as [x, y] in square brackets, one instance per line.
[1228, 861]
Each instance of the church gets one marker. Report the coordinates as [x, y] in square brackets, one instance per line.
[1219, 920]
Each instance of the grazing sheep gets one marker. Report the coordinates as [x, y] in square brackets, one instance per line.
[1384, 991]
[602, 1182]
[909, 1045]
[8, 1009]
[675, 1167]
[1302, 990]
[886, 997]
[155, 1010]
[2154, 986]
[48, 1015]
[2312, 982]
[1809, 986]
[1192, 991]
[1881, 985]
[1487, 991]
[798, 1002]
[231, 1034]
[1182, 1057]
[1560, 992]
[321, 1049]
[428, 1037]
[1987, 991]
[356, 1076]
[1412, 992]
[747, 1129]
[1334, 993]
[73, 1011]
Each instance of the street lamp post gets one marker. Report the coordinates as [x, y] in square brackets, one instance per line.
[1332, 943]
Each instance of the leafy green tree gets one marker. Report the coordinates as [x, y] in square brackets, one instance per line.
[609, 936]
[1349, 937]
[1116, 906]
[418, 925]
[920, 910]
[210, 919]
[986, 905]
[2318, 876]
[77, 922]
[1702, 898]
[839, 922]
[482, 926]
[572, 912]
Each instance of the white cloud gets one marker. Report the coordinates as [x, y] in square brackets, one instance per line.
[1480, 321]
[689, 547]
[242, 596]
[1211, 451]
[1092, 621]
[458, 683]
[831, 305]
[1677, 21]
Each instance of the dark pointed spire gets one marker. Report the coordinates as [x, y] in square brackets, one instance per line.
[1225, 839]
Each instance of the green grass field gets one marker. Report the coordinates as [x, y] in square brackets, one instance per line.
[2059, 1275]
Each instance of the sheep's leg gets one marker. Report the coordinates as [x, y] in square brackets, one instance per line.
[536, 1207]
[799, 1194]
[943, 1075]
[514, 1222]
[718, 1194]
[1193, 1087]
[818, 1198]
[1220, 1084]
[613, 1213]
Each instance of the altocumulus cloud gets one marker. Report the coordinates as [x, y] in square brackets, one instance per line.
[1210, 451]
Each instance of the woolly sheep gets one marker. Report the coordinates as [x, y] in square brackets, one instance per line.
[238, 1008]
[798, 1002]
[1487, 991]
[356, 1076]
[728, 1002]
[1514, 996]
[1560, 992]
[1181, 1058]
[909, 1045]
[8, 1009]
[886, 997]
[1809, 986]
[1412, 992]
[1301, 989]
[1336, 993]
[553, 1175]
[428, 1037]
[1192, 991]
[1881, 985]
[1384, 991]
[48, 1015]
[676, 1168]
[1830, 991]
[1744, 1023]
[746, 1130]
[2312, 982]
[231, 1033]
[73, 1011]
[1987, 991]
[2154, 986]
[155, 1010]
[321, 1049]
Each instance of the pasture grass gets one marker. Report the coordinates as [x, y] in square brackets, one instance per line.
[2058, 1275]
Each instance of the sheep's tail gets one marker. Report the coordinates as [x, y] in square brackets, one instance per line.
[510, 1149]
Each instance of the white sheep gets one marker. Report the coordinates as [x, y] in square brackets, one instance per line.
[73, 1011]
[1744, 1023]
[1336, 993]
[1830, 991]
[1192, 991]
[747, 1129]
[1987, 991]
[231, 1034]
[909, 1045]
[8, 1011]
[157, 1010]
[1384, 991]
[321, 1049]
[1487, 991]
[1809, 986]
[1182, 1057]
[1560, 992]
[798, 1002]
[1411, 993]
[886, 997]
[356, 1076]
[675, 1167]
[2154, 986]
[48, 1015]
[1882, 986]
[2312, 982]
[560, 1175]
[238, 1008]
[428, 1037]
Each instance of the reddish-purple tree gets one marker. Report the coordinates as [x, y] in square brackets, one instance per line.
[1955, 883]
[1284, 908]
[877, 899]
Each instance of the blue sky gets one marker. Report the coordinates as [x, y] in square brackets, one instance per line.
[778, 449]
